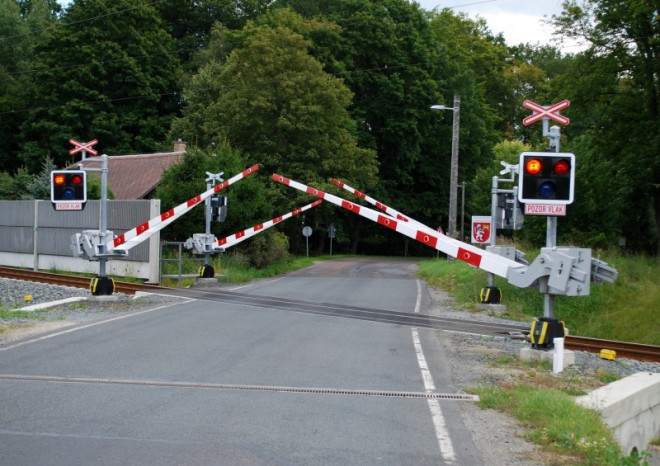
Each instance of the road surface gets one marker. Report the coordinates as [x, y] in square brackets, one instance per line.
[203, 383]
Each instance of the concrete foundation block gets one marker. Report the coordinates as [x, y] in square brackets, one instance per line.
[103, 298]
[631, 407]
[532, 354]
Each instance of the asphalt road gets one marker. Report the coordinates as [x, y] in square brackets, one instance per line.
[228, 383]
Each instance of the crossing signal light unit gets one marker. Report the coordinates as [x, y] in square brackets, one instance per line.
[68, 188]
[546, 178]
[218, 208]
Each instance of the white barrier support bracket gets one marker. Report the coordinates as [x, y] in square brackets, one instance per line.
[566, 271]
[88, 245]
[201, 243]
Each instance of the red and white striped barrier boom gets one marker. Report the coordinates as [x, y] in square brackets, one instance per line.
[140, 233]
[388, 210]
[236, 238]
[492, 263]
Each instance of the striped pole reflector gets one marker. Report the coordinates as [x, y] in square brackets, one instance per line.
[236, 238]
[484, 260]
[144, 231]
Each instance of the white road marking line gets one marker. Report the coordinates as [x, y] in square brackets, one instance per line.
[441, 432]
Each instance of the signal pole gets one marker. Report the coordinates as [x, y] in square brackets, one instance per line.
[554, 136]
[102, 285]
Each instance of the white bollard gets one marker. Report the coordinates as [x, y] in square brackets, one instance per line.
[558, 357]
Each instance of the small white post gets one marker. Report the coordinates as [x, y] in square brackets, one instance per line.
[558, 357]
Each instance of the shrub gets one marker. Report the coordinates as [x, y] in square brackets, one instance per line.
[267, 248]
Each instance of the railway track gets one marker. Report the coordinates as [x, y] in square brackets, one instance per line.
[623, 349]
[629, 350]
[70, 280]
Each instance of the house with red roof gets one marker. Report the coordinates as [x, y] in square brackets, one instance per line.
[137, 176]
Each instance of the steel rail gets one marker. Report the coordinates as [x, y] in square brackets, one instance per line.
[71, 280]
[623, 349]
[641, 352]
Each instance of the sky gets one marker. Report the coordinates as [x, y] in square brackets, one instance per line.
[518, 20]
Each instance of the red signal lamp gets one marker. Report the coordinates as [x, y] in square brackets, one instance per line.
[562, 167]
[533, 166]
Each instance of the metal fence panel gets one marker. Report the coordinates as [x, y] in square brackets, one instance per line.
[17, 239]
[55, 228]
[16, 213]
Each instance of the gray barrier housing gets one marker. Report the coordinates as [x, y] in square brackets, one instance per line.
[36, 236]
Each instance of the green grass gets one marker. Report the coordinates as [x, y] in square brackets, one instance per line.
[9, 314]
[625, 310]
[559, 425]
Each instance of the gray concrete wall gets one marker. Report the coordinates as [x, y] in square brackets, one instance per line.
[34, 235]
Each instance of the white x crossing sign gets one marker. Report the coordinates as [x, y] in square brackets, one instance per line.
[83, 146]
[541, 112]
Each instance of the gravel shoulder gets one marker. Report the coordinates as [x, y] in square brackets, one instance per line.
[41, 314]
[500, 438]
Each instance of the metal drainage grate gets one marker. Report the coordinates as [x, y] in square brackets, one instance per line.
[254, 388]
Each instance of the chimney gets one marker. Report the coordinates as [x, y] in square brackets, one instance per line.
[179, 146]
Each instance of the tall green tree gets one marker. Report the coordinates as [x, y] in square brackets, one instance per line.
[22, 25]
[107, 72]
[273, 101]
[190, 23]
[248, 201]
[614, 87]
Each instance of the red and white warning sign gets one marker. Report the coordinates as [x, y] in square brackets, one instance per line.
[541, 112]
[481, 228]
[83, 147]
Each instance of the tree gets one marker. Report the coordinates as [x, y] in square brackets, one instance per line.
[614, 87]
[273, 101]
[190, 23]
[113, 79]
[22, 25]
[13, 188]
[248, 200]
[39, 187]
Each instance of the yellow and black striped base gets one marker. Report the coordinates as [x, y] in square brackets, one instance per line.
[206, 271]
[102, 286]
[490, 295]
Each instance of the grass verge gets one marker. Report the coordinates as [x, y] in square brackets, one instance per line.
[623, 310]
[556, 423]
[542, 401]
